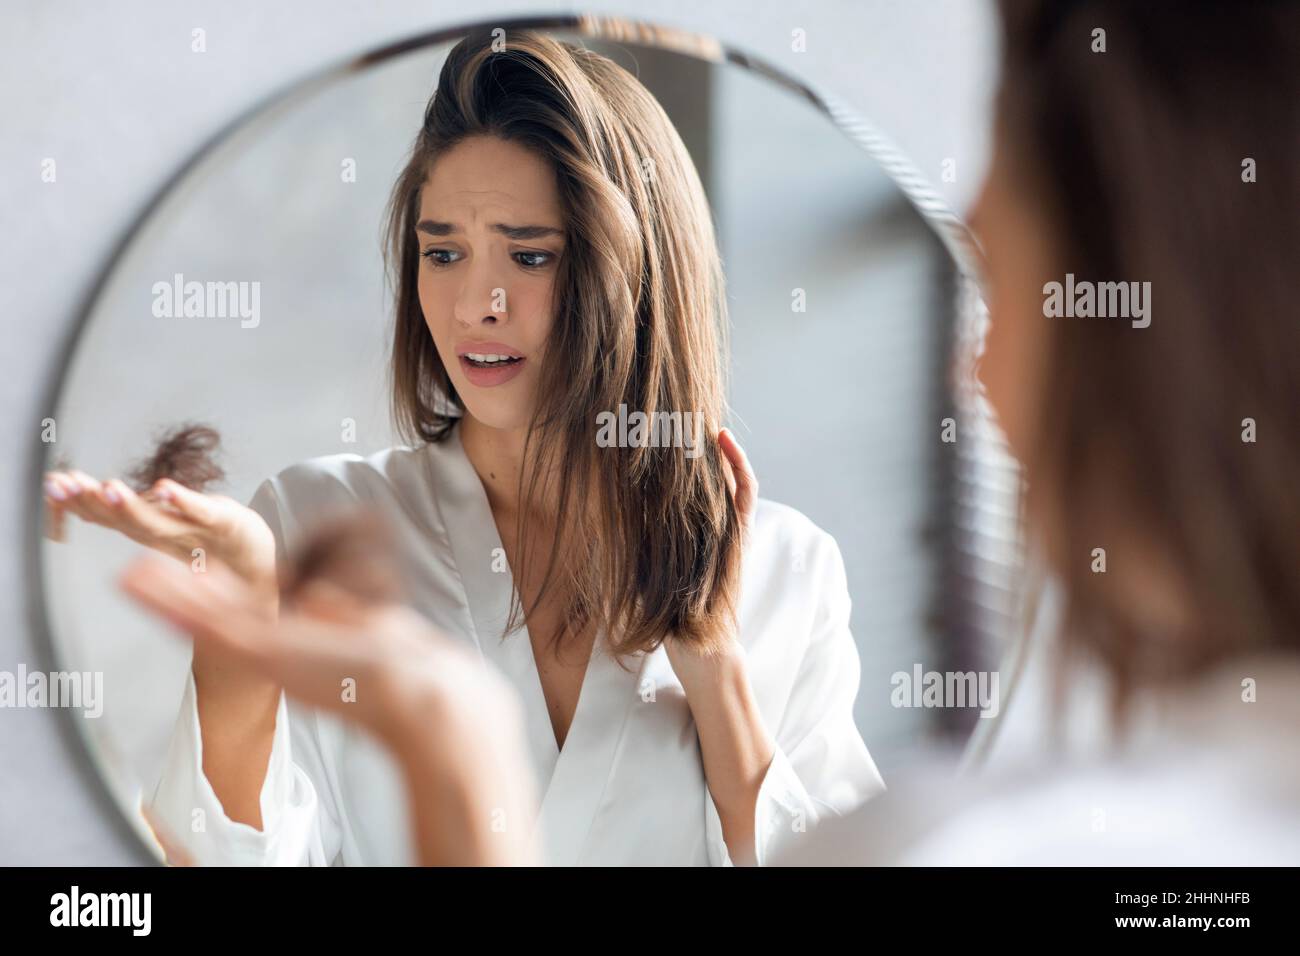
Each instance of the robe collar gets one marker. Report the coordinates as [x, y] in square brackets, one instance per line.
[571, 781]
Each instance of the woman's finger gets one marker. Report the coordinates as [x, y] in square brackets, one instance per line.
[746, 490]
[58, 486]
[99, 501]
[167, 589]
[213, 606]
[310, 656]
[727, 468]
[56, 497]
[67, 491]
[138, 517]
[324, 599]
[55, 523]
[79, 489]
[193, 505]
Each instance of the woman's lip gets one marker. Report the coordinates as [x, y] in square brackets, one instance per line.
[488, 377]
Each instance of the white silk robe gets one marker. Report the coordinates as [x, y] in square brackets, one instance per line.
[629, 785]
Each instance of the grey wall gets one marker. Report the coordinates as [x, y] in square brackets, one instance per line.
[116, 97]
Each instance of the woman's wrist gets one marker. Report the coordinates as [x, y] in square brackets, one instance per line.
[706, 673]
[734, 740]
[470, 775]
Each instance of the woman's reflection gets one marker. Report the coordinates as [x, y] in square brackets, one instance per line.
[680, 647]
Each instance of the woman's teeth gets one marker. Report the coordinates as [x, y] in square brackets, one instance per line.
[479, 358]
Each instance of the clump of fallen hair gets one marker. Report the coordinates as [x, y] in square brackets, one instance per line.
[186, 454]
[354, 552]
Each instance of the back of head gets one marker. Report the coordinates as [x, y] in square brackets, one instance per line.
[1160, 141]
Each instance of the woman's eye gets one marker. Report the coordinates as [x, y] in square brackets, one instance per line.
[532, 260]
[438, 258]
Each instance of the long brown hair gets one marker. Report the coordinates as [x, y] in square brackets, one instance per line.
[646, 540]
[1141, 159]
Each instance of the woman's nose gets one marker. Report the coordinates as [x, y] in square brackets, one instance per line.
[482, 298]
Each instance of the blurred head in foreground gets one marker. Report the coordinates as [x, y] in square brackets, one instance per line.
[1141, 231]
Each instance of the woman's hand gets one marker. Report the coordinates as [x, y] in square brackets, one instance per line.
[236, 706]
[169, 518]
[691, 666]
[740, 478]
[376, 664]
[735, 744]
[454, 724]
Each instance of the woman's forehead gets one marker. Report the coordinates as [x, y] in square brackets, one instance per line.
[488, 173]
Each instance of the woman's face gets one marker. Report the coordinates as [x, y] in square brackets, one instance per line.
[490, 234]
[1018, 254]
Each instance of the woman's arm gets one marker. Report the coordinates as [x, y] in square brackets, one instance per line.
[236, 706]
[453, 725]
[814, 763]
[468, 783]
[735, 745]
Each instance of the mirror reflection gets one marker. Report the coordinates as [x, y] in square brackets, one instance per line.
[609, 364]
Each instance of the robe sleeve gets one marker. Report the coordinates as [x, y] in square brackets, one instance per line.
[821, 767]
[300, 821]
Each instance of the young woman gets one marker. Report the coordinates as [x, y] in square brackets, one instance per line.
[681, 651]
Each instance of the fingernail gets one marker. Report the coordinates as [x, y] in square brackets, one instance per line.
[55, 492]
[112, 494]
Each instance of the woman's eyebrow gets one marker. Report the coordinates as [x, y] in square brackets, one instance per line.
[526, 232]
[434, 227]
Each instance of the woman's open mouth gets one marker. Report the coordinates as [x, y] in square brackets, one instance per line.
[488, 360]
[486, 368]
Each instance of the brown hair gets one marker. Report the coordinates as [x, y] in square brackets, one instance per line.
[1137, 157]
[647, 540]
[186, 454]
[355, 551]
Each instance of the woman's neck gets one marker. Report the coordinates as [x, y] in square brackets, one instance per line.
[497, 455]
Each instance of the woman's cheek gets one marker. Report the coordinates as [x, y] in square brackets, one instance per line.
[997, 367]
[435, 322]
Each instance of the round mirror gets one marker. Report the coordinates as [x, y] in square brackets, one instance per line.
[251, 297]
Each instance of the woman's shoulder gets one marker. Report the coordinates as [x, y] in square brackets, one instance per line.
[792, 561]
[351, 474]
[785, 534]
[397, 479]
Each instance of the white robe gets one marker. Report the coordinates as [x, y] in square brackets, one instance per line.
[629, 785]
[1208, 774]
